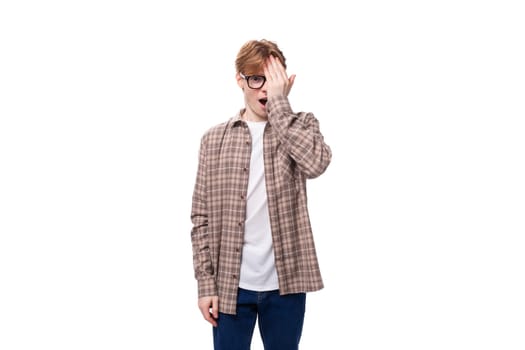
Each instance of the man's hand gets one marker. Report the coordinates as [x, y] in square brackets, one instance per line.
[209, 307]
[277, 81]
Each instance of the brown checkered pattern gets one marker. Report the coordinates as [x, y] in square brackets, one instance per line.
[294, 150]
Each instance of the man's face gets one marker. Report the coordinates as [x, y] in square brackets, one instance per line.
[254, 89]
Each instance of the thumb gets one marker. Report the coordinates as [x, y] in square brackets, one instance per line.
[215, 307]
[291, 80]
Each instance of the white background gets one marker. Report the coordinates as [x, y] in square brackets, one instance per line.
[419, 220]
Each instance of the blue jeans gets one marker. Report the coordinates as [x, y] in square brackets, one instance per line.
[280, 321]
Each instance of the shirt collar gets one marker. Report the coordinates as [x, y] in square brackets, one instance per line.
[237, 120]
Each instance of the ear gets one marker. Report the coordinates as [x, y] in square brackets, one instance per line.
[240, 80]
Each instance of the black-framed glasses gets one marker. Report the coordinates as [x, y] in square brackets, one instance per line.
[254, 81]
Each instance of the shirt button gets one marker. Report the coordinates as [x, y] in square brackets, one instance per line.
[242, 196]
[247, 142]
[245, 169]
[240, 223]
[234, 277]
[237, 250]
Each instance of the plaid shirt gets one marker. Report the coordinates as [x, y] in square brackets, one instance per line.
[294, 150]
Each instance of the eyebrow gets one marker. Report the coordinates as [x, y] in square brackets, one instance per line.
[251, 75]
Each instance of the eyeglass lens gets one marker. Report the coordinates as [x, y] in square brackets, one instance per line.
[256, 81]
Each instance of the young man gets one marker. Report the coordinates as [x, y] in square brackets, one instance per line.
[253, 248]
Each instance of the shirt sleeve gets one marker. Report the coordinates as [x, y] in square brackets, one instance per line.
[300, 135]
[202, 262]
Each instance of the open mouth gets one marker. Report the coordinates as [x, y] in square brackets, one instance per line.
[263, 101]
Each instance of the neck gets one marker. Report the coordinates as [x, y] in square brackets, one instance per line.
[247, 117]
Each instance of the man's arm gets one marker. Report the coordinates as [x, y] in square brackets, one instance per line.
[202, 263]
[299, 133]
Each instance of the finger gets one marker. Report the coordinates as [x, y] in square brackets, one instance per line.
[205, 311]
[279, 68]
[266, 71]
[211, 320]
[269, 69]
[215, 307]
[291, 80]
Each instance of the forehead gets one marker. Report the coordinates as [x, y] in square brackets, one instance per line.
[254, 70]
[251, 72]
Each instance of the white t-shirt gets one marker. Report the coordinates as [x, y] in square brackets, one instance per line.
[258, 263]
